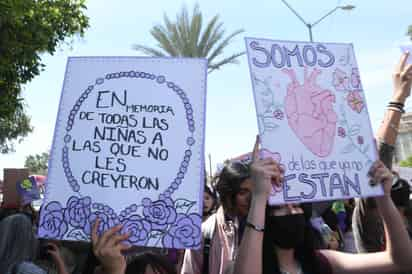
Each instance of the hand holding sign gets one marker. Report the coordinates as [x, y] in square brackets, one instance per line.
[108, 248]
[402, 79]
[264, 173]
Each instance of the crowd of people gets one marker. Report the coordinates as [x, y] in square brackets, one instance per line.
[241, 232]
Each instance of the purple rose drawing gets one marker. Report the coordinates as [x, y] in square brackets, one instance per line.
[52, 224]
[77, 211]
[106, 221]
[138, 228]
[159, 213]
[184, 233]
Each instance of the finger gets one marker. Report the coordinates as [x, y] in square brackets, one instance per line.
[52, 246]
[255, 153]
[123, 247]
[95, 238]
[109, 234]
[402, 61]
[118, 238]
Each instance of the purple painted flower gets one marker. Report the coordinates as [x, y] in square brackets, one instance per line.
[184, 233]
[52, 224]
[360, 140]
[341, 132]
[138, 228]
[278, 114]
[106, 221]
[159, 213]
[77, 211]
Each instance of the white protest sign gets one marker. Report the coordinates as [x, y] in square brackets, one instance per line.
[128, 149]
[312, 114]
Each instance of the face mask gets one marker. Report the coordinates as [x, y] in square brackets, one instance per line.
[287, 231]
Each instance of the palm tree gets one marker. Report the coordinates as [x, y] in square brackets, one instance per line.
[185, 38]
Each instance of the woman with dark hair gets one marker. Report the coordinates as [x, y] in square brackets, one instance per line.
[19, 247]
[279, 239]
[223, 230]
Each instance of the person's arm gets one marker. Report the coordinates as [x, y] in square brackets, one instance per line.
[54, 251]
[263, 173]
[367, 226]
[388, 131]
[398, 253]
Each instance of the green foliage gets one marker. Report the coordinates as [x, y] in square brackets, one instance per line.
[407, 162]
[37, 164]
[186, 38]
[29, 28]
[410, 32]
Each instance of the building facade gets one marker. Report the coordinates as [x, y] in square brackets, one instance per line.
[403, 147]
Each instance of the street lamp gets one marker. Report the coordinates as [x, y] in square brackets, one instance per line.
[310, 26]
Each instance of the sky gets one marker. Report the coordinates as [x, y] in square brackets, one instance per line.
[376, 29]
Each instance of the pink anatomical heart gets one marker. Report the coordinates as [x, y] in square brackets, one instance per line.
[310, 113]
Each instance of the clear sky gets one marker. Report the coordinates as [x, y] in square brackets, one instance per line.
[376, 28]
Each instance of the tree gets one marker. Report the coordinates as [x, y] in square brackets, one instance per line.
[410, 31]
[38, 163]
[185, 38]
[407, 162]
[29, 28]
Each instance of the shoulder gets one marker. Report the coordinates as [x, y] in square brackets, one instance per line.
[29, 268]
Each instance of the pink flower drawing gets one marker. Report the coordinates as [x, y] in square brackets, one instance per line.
[355, 101]
[340, 80]
[355, 79]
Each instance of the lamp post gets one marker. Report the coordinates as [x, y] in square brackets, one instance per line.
[310, 26]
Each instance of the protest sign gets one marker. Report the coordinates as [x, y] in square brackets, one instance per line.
[312, 114]
[28, 190]
[11, 177]
[128, 149]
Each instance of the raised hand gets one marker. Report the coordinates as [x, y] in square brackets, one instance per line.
[108, 249]
[379, 173]
[264, 173]
[402, 80]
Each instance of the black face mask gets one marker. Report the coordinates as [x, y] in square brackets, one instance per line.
[287, 231]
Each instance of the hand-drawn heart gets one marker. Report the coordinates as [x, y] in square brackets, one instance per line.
[310, 113]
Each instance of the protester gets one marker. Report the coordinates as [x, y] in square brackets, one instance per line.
[278, 239]
[209, 201]
[223, 230]
[367, 224]
[19, 247]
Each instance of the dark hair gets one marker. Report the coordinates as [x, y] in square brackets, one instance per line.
[209, 190]
[227, 183]
[305, 253]
[18, 242]
[400, 193]
[158, 263]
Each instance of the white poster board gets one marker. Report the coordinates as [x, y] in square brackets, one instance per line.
[312, 115]
[128, 149]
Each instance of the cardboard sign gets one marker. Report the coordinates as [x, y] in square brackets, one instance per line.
[11, 176]
[128, 149]
[312, 112]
